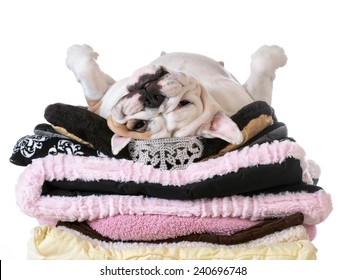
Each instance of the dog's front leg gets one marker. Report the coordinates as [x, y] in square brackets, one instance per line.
[81, 60]
[265, 61]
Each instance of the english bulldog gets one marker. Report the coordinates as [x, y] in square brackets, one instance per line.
[176, 95]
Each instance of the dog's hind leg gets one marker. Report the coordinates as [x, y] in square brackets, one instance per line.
[81, 60]
[265, 61]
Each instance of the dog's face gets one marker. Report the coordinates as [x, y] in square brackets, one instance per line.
[161, 103]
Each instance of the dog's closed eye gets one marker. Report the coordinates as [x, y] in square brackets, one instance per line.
[184, 103]
[137, 125]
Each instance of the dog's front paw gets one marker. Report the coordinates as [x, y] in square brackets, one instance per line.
[268, 58]
[78, 56]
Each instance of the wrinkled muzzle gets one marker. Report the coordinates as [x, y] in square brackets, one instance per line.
[146, 85]
[143, 92]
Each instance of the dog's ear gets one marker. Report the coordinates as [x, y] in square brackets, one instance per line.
[224, 128]
[118, 143]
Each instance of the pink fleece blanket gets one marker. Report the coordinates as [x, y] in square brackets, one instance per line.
[314, 206]
[92, 168]
[156, 227]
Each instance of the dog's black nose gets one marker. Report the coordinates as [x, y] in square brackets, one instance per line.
[152, 96]
[147, 86]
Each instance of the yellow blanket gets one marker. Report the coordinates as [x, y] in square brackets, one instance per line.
[49, 242]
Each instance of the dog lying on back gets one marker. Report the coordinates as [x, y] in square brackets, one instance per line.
[176, 95]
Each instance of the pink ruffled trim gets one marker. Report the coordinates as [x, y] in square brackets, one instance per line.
[315, 206]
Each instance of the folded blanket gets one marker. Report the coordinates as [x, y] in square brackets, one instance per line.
[91, 128]
[260, 230]
[287, 235]
[256, 121]
[156, 227]
[244, 181]
[152, 227]
[46, 141]
[32, 147]
[253, 168]
[48, 242]
[315, 206]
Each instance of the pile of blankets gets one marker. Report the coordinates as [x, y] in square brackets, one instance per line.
[187, 198]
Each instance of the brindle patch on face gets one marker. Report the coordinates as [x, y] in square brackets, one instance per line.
[147, 78]
[149, 89]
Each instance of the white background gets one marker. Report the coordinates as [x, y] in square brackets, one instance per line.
[307, 95]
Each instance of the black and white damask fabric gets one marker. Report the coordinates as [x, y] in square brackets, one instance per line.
[28, 145]
[67, 147]
[31, 147]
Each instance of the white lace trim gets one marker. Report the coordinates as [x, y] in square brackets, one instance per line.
[166, 153]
